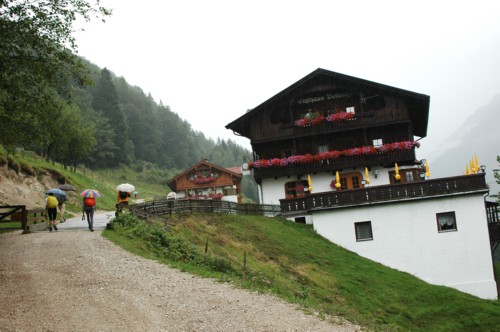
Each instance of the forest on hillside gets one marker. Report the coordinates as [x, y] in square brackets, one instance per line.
[68, 110]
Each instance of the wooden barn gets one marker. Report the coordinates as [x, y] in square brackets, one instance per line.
[205, 180]
[339, 152]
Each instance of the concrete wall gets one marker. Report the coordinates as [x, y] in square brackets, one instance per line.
[406, 238]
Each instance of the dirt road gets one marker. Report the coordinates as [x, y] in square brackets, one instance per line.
[75, 280]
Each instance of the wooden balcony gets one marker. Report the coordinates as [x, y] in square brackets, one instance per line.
[387, 193]
[401, 156]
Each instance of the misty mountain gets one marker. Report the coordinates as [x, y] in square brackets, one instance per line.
[479, 135]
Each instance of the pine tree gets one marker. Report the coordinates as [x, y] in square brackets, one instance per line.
[106, 102]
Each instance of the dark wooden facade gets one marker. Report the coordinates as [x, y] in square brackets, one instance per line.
[377, 112]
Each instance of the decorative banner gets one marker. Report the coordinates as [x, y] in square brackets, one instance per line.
[367, 176]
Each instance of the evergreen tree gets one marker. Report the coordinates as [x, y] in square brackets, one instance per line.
[106, 102]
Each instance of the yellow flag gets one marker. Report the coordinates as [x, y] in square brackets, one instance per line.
[367, 176]
[309, 183]
[397, 176]
[427, 171]
[467, 170]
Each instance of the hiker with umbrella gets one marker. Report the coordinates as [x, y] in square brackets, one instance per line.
[55, 197]
[124, 191]
[89, 205]
[62, 200]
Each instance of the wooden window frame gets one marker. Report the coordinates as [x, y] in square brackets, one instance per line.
[452, 227]
[347, 183]
[415, 173]
[360, 232]
[377, 142]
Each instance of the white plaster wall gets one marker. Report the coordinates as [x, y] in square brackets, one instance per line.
[272, 190]
[405, 237]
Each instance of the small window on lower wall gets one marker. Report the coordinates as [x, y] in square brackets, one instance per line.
[446, 221]
[363, 230]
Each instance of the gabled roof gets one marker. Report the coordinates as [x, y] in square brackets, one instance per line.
[418, 103]
[232, 171]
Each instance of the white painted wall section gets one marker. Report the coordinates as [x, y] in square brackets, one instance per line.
[406, 237]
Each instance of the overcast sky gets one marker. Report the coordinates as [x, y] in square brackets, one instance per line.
[211, 61]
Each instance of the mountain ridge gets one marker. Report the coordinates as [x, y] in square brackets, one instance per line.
[479, 136]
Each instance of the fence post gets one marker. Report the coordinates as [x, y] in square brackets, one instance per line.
[26, 228]
[206, 248]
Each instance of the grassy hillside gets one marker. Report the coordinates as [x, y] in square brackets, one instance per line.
[290, 260]
[148, 180]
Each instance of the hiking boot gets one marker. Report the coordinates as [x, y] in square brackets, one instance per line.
[91, 229]
[50, 229]
[55, 227]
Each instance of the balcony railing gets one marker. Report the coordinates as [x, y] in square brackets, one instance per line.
[386, 193]
[335, 164]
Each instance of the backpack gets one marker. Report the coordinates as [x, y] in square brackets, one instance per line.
[89, 201]
[61, 200]
[123, 194]
[51, 201]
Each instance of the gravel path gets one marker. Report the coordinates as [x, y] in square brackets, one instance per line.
[75, 280]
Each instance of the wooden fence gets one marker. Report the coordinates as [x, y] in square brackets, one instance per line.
[164, 207]
[27, 219]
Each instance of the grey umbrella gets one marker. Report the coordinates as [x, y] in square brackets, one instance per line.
[55, 192]
[67, 187]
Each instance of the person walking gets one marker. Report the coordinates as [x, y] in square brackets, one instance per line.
[51, 206]
[61, 206]
[122, 199]
[88, 208]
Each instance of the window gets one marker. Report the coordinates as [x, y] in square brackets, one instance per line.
[295, 189]
[349, 181]
[300, 220]
[322, 148]
[350, 109]
[377, 142]
[343, 183]
[355, 182]
[446, 221]
[363, 230]
[229, 191]
[409, 176]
